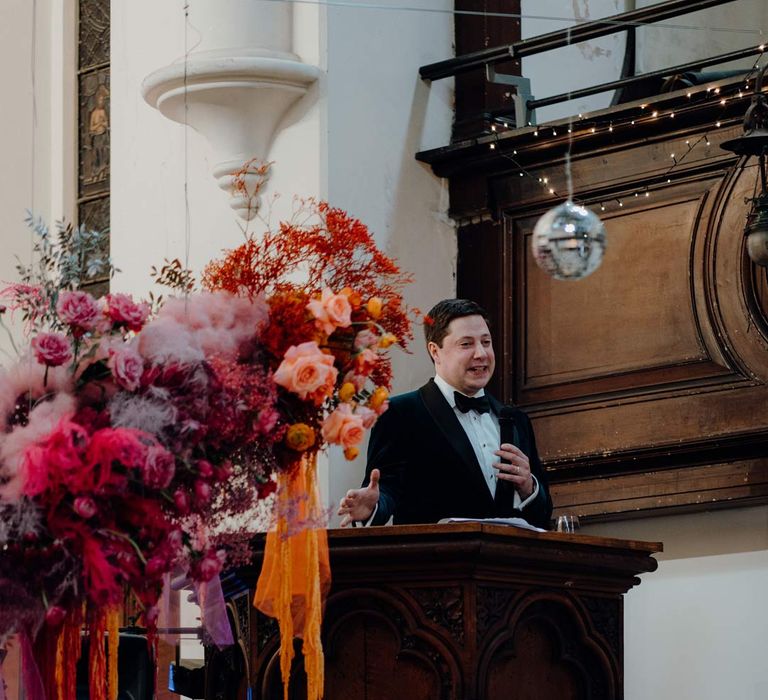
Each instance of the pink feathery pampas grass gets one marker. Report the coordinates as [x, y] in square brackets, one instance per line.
[217, 324]
[28, 378]
[43, 418]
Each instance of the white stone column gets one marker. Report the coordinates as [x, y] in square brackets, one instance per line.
[234, 86]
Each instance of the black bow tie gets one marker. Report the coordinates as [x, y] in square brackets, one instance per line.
[466, 403]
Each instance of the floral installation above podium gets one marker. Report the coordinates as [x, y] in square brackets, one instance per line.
[136, 439]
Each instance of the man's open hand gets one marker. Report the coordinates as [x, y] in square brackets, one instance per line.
[359, 504]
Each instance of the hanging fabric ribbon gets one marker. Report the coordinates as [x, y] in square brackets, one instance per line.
[213, 612]
[296, 575]
[30, 674]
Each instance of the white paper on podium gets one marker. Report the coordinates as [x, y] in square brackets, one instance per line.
[511, 522]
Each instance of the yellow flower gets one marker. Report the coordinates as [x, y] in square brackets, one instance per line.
[387, 339]
[374, 307]
[300, 437]
[378, 397]
[347, 391]
[351, 452]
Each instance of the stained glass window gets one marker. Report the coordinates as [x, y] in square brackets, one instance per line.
[94, 121]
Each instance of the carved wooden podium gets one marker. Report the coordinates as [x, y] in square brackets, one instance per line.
[441, 612]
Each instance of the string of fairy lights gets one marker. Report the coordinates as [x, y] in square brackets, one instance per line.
[584, 127]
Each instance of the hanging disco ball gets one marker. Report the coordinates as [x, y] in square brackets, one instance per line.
[568, 242]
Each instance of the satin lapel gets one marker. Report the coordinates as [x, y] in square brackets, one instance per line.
[453, 432]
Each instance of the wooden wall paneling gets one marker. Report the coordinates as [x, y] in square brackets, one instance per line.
[631, 323]
[647, 382]
[483, 258]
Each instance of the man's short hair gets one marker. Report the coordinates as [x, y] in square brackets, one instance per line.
[441, 314]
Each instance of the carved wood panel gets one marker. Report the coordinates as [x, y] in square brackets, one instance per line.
[465, 611]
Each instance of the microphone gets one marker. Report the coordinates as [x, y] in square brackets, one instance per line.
[507, 426]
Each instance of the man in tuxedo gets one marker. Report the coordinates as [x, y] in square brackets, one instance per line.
[438, 452]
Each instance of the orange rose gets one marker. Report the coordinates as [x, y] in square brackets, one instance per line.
[300, 437]
[351, 452]
[343, 427]
[331, 311]
[305, 369]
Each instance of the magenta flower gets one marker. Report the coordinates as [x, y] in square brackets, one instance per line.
[85, 507]
[127, 367]
[52, 349]
[202, 492]
[124, 311]
[78, 310]
[209, 566]
[181, 500]
[55, 615]
[158, 468]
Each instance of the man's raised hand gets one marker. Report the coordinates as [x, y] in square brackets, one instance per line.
[358, 504]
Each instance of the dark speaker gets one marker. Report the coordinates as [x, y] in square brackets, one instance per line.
[189, 682]
[135, 671]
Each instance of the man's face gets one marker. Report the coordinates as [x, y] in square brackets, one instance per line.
[466, 360]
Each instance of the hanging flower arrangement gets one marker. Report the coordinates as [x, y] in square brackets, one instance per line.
[129, 434]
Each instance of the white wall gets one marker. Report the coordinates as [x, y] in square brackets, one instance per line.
[701, 35]
[573, 67]
[696, 627]
[30, 137]
[379, 114]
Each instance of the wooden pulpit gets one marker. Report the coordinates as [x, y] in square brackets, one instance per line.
[465, 611]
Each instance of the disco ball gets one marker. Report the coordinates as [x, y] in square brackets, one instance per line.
[568, 242]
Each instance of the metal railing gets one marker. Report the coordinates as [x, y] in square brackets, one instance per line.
[525, 104]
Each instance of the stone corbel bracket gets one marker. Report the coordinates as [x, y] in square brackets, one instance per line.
[237, 104]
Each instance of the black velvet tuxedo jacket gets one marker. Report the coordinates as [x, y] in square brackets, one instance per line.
[429, 470]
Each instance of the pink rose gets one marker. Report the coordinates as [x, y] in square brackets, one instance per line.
[365, 361]
[343, 427]
[78, 310]
[52, 349]
[357, 379]
[331, 311]
[367, 415]
[85, 507]
[158, 468]
[127, 367]
[306, 370]
[124, 311]
[365, 338]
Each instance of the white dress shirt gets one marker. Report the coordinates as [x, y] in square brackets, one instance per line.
[484, 434]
